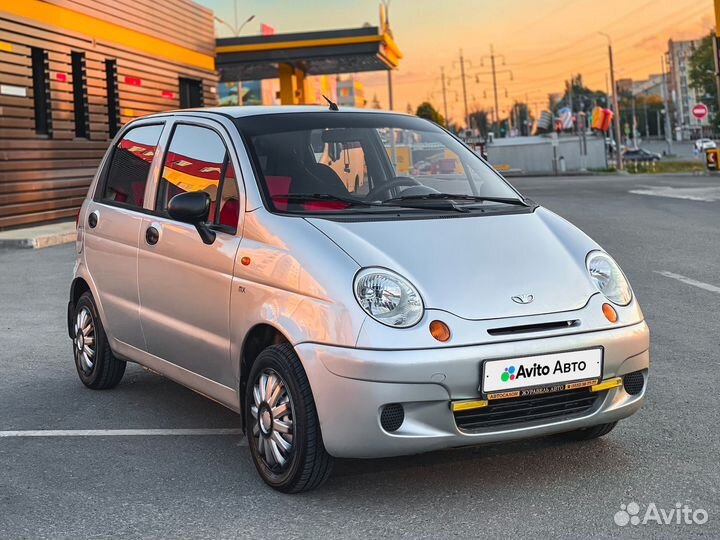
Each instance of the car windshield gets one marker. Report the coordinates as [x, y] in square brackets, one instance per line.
[368, 162]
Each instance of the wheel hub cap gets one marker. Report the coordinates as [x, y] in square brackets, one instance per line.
[85, 340]
[266, 422]
[273, 420]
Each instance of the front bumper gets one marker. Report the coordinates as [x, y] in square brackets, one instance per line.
[350, 387]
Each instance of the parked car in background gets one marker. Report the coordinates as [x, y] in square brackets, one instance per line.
[641, 154]
[705, 144]
[386, 316]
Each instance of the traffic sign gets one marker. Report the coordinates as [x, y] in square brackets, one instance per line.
[700, 111]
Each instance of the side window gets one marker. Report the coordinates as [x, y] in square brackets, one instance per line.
[128, 172]
[197, 160]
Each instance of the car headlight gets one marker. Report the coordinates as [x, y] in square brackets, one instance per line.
[608, 278]
[388, 298]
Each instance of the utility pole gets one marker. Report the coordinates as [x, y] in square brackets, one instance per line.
[570, 97]
[666, 104]
[464, 89]
[495, 72]
[616, 107]
[442, 77]
[634, 121]
[494, 77]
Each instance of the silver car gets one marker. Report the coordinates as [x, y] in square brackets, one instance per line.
[291, 264]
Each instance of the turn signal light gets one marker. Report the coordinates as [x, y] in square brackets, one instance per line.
[440, 331]
[610, 313]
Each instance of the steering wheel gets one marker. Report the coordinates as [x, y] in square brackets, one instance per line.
[385, 187]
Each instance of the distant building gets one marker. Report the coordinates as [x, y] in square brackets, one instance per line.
[624, 86]
[72, 72]
[683, 96]
[652, 86]
[351, 93]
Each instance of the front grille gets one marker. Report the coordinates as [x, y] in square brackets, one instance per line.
[506, 412]
[540, 327]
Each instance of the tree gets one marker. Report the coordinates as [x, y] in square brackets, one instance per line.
[427, 111]
[522, 118]
[481, 120]
[702, 76]
[583, 98]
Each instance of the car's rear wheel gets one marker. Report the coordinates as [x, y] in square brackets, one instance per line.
[590, 433]
[282, 425]
[96, 365]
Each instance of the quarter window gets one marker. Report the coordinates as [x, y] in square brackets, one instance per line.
[197, 160]
[130, 165]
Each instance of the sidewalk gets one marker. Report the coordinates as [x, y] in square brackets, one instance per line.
[39, 237]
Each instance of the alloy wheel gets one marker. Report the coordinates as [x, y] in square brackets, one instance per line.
[272, 420]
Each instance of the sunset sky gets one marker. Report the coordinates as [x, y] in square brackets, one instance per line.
[543, 41]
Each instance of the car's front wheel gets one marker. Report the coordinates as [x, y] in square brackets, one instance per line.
[282, 425]
[96, 365]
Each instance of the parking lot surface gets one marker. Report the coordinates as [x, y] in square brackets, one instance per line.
[156, 482]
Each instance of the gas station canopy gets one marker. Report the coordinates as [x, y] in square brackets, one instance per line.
[292, 57]
[316, 53]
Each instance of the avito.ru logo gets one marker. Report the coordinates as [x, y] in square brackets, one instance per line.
[508, 374]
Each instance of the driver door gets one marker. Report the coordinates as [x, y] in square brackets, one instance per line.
[184, 284]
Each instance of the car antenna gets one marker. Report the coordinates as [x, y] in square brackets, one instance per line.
[333, 105]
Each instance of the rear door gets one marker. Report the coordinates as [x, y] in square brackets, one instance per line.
[112, 228]
[185, 284]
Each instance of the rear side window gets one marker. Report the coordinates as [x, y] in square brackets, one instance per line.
[197, 160]
[130, 165]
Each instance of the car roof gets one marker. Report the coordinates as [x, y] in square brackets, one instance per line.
[255, 110]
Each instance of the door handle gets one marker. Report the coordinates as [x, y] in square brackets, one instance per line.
[93, 220]
[152, 235]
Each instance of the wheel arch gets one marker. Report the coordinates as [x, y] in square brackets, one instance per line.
[78, 287]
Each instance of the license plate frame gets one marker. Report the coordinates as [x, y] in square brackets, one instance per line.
[544, 387]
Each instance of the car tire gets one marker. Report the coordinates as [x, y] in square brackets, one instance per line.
[589, 433]
[96, 365]
[282, 426]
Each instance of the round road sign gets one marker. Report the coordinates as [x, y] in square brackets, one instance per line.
[700, 111]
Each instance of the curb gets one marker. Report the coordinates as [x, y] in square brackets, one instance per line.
[38, 237]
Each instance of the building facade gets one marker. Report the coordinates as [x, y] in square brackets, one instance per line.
[350, 93]
[72, 72]
[683, 96]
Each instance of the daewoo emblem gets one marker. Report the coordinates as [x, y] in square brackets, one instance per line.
[522, 298]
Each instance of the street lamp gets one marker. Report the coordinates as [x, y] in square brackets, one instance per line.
[235, 29]
[618, 154]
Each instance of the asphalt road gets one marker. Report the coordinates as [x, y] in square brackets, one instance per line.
[206, 486]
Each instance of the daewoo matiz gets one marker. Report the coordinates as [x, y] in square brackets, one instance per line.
[293, 265]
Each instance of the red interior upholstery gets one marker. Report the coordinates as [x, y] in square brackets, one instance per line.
[323, 206]
[279, 185]
[230, 212]
[138, 192]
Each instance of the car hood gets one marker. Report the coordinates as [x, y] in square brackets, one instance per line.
[474, 266]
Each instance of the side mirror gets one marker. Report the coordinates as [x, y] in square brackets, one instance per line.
[193, 207]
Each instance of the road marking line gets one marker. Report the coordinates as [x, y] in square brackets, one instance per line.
[704, 194]
[119, 432]
[690, 281]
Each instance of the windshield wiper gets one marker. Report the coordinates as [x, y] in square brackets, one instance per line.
[455, 196]
[312, 197]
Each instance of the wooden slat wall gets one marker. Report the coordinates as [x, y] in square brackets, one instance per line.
[45, 178]
[180, 21]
